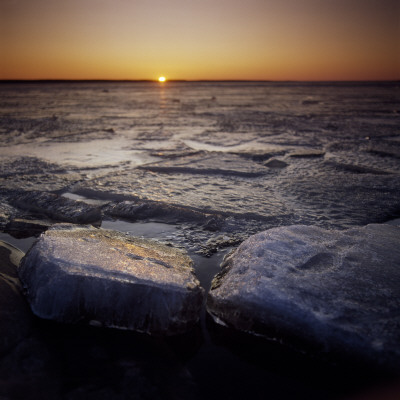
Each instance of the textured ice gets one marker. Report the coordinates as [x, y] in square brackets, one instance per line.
[56, 207]
[221, 194]
[209, 149]
[30, 173]
[305, 191]
[83, 273]
[338, 290]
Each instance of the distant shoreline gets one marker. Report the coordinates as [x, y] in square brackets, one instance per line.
[322, 82]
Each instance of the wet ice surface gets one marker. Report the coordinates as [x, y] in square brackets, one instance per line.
[289, 277]
[119, 280]
[202, 166]
[278, 153]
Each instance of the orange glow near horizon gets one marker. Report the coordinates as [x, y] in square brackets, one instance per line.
[208, 40]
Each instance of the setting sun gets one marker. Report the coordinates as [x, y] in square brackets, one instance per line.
[201, 40]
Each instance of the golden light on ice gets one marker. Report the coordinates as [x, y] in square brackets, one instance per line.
[161, 79]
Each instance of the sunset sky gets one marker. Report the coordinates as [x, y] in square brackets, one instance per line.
[200, 39]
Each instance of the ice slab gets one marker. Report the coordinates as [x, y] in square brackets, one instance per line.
[336, 290]
[111, 279]
[57, 207]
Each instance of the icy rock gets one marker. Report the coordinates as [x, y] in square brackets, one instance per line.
[15, 316]
[336, 290]
[107, 278]
[57, 207]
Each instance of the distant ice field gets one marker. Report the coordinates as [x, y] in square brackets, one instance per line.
[281, 153]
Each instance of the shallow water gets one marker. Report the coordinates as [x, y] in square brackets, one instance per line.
[22, 244]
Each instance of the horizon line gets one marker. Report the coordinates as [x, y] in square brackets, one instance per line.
[195, 81]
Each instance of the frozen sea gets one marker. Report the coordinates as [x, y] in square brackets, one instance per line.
[201, 165]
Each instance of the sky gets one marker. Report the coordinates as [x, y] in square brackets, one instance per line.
[200, 39]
